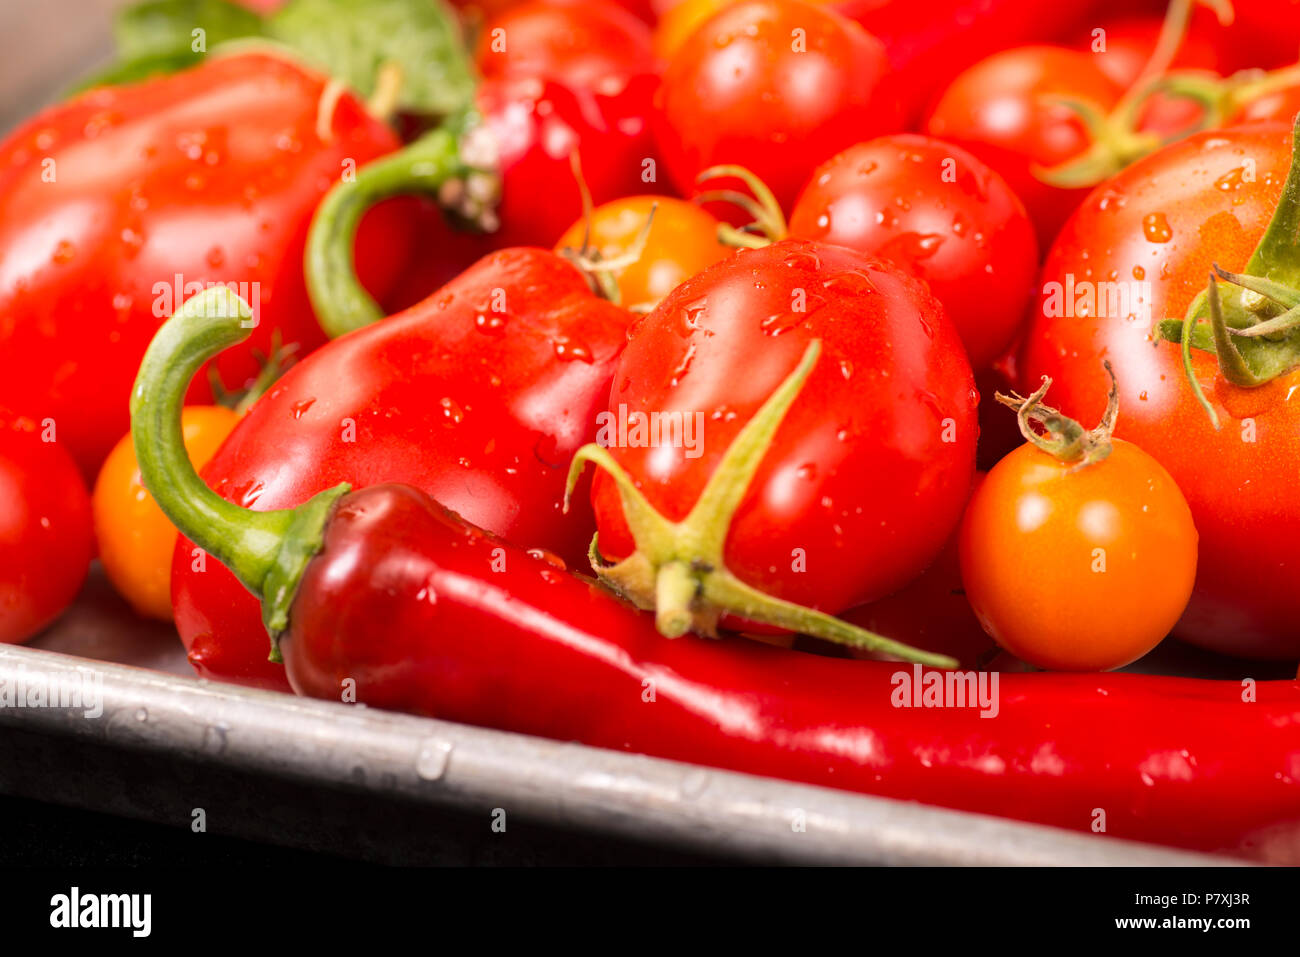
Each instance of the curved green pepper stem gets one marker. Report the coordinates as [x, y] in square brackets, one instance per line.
[267, 551]
[1252, 325]
[454, 164]
[678, 570]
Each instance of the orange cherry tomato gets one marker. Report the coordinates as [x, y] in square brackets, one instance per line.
[683, 241]
[136, 539]
[1078, 568]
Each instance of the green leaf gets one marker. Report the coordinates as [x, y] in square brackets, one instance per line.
[181, 29]
[354, 39]
[134, 71]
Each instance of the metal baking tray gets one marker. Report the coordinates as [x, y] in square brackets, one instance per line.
[390, 787]
[166, 743]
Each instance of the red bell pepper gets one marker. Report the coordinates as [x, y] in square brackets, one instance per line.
[522, 138]
[385, 593]
[480, 395]
[115, 204]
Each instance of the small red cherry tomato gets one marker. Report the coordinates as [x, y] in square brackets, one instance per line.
[46, 541]
[776, 86]
[940, 213]
[1001, 110]
[583, 43]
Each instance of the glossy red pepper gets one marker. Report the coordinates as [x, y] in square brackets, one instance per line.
[385, 594]
[480, 395]
[508, 167]
[114, 204]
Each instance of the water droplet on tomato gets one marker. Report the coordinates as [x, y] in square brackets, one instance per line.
[684, 366]
[301, 406]
[492, 323]
[1231, 180]
[780, 322]
[568, 350]
[64, 252]
[452, 413]
[1155, 226]
[555, 561]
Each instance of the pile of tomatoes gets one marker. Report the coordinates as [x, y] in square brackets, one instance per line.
[938, 236]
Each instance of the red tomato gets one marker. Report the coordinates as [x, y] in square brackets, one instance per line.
[112, 200]
[776, 86]
[941, 214]
[584, 43]
[867, 473]
[930, 43]
[46, 540]
[1266, 33]
[1278, 105]
[999, 111]
[1141, 249]
[1078, 567]
[1123, 45]
[931, 611]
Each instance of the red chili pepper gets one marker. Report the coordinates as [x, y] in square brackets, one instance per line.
[480, 396]
[422, 612]
[117, 202]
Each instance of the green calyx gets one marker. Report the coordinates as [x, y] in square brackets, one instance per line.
[454, 164]
[1116, 138]
[1251, 325]
[1060, 436]
[267, 551]
[678, 568]
[1115, 142]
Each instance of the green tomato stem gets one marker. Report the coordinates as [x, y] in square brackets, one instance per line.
[678, 568]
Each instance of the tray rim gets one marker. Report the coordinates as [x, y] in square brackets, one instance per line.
[564, 784]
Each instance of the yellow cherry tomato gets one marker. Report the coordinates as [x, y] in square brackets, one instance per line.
[135, 538]
[682, 241]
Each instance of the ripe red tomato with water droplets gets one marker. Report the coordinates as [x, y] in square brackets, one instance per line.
[938, 212]
[867, 474]
[999, 111]
[1122, 45]
[1146, 241]
[46, 537]
[584, 43]
[931, 611]
[776, 86]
